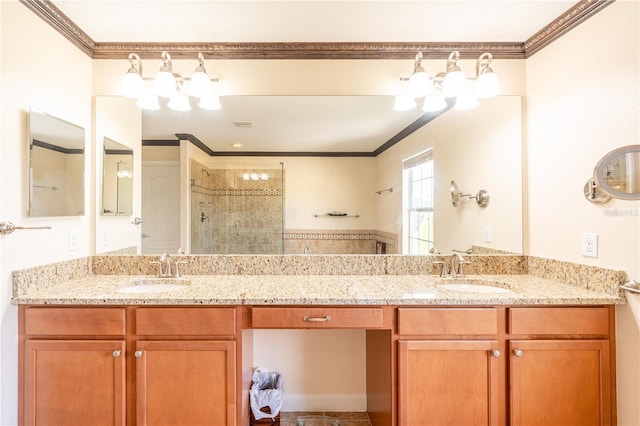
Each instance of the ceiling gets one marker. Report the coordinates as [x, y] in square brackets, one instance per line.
[295, 28]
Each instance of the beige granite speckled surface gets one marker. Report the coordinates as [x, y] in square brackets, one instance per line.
[317, 289]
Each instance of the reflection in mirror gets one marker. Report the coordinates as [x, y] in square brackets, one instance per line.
[618, 173]
[117, 181]
[56, 165]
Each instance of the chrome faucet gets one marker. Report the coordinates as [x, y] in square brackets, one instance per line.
[456, 262]
[168, 267]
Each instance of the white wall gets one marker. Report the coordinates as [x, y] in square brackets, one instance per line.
[479, 149]
[583, 102]
[39, 68]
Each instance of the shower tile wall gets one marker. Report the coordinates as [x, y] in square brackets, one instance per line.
[230, 215]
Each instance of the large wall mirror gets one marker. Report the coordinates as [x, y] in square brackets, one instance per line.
[117, 179]
[56, 166]
[481, 149]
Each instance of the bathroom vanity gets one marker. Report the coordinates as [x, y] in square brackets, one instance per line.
[539, 353]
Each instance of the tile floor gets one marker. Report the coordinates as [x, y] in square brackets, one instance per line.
[346, 419]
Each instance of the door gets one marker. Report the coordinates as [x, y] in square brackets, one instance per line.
[560, 382]
[160, 207]
[74, 382]
[185, 383]
[448, 382]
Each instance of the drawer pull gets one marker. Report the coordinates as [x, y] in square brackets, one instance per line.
[138, 354]
[117, 353]
[496, 353]
[517, 352]
[316, 319]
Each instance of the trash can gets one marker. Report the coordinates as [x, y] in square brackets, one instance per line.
[265, 398]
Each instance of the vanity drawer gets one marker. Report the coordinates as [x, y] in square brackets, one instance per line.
[316, 317]
[74, 321]
[574, 320]
[185, 321]
[447, 321]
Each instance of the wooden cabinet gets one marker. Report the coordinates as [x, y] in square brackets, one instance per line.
[73, 367]
[185, 383]
[560, 366]
[181, 380]
[448, 382]
[180, 367]
[449, 366]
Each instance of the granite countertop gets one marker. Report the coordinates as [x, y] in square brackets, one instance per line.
[315, 290]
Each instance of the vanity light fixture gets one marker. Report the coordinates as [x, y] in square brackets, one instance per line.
[168, 84]
[450, 84]
[255, 176]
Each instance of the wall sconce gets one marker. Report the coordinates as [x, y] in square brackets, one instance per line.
[170, 85]
[449, 84]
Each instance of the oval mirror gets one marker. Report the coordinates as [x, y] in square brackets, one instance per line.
[618, 173]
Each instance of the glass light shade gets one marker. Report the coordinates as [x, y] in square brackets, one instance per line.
[254, 176]
[132, 85]
[487, 85]
[419, 84]
[165, 84]
[434, 103]
[264, 176]
[148, 102]
[245, 176]
[179, 103]
[200, 84]
[404, 103]
[210, 102]
[466, 102]
[453, 84]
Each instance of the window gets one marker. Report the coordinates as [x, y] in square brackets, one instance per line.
[418, 184]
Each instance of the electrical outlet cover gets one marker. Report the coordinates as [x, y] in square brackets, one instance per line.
[590, 244]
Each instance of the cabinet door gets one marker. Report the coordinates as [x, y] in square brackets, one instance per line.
[560, 382]
[186, 383]
[73, 382]
[448, 382]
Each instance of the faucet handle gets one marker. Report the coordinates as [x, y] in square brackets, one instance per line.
[460, 270]
[445, 267]
[177, 263]
[157, 262]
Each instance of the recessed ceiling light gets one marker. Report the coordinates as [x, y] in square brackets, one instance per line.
[244, 123]
[236, 145]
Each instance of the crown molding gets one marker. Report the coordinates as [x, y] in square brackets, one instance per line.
[561, 25]
[301, 50]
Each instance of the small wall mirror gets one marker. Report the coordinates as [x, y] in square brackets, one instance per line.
[56, 166]
[117, 179]
[617, 175]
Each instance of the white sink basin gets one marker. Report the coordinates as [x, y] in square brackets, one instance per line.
[154, 285]
[474, 287]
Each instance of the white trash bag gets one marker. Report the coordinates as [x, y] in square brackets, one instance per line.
[265, 391]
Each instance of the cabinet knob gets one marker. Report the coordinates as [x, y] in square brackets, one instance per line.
[517, 352]
[138, 354]
[496, 353]
[117, 353]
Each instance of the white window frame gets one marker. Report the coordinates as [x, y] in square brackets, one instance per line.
[417, 240]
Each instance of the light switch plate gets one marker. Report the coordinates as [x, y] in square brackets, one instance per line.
[590, 244]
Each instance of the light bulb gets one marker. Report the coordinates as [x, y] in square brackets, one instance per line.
[132, 85]
[404, 103]
[466, 102]
[453, 84]
[200, 83]
[487, 84]
[148, 102]
[210, 102]
[434, 103]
